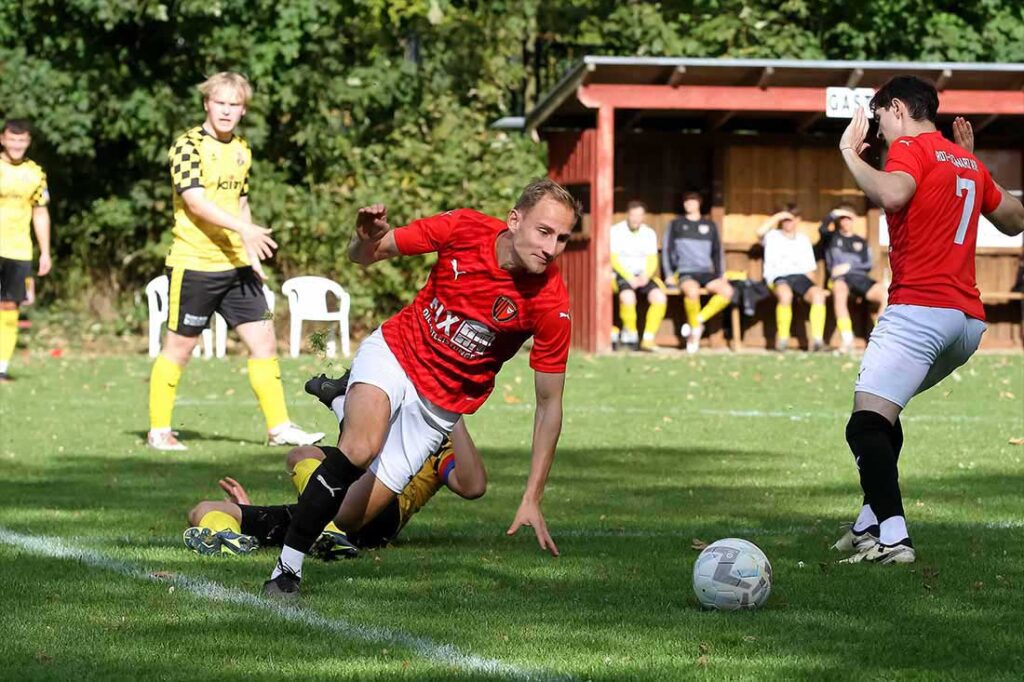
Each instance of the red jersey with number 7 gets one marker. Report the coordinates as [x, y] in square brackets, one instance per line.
[932, 239]
[472, 315]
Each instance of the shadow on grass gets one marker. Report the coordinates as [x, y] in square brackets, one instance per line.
[186, 436]
[619, 593]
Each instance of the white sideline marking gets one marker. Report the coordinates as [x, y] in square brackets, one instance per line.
[445, 654]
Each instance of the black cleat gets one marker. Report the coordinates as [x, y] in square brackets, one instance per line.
[333, 545]
[327, 389]
[284, 587]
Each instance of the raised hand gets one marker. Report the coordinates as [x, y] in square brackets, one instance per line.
[855, 133]
[963, 133]
[372, 222]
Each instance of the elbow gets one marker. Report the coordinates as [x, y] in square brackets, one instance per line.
[474, 492]
[893, 201]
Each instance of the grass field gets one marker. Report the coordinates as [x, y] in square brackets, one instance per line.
[656, 452]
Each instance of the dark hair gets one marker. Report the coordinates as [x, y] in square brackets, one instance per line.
[846, 206]
[636, 204]
[792, 207]
[918, 95]
[546, 187]
[692, 195]
[18, 126]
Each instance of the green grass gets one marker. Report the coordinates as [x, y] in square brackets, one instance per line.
[655, 452]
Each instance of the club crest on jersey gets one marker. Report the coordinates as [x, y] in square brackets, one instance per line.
[240, 158]
[504, 309]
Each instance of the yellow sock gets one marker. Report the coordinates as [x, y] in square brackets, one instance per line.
[627, 311]
[655, 314]
[265, 379]
[218, 521]
[692, 306]
[818, 321]
[163, 385]
[715, 305]
[304, 468]
[844, 324]
[783, 320]
[8, 334]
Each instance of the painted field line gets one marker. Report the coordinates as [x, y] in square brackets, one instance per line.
[445, 654]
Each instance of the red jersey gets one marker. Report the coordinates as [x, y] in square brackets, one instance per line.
[932, 239]
[472, 316]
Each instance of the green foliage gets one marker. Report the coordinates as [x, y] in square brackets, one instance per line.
[371, 100]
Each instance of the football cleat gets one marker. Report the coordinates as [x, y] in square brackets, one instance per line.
[205, 542]
[900, 553]
[164, 440]
[325, 389]
[284, 587]
[854, 541]
[291, 434]
[818, 346]
[333, 545]
[5, 378]
[648, 346]
[782, 345]
[693, 342]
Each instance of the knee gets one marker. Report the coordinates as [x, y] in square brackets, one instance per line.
[657, 297]
[296, 455]
[196, 514]
[358, 449]
[784, 296]
[817, 296]
[726, 290]
[627, 297]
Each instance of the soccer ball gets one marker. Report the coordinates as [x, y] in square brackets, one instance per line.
[732, 574]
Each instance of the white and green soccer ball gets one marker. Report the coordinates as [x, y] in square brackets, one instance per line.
[732, 574]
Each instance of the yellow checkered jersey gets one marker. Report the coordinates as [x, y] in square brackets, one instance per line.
[199, 159]
[22, 188]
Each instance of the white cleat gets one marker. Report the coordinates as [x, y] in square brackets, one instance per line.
[164, 440]
[290, 434]
[900, 553]
[852, 541]
[693, 342]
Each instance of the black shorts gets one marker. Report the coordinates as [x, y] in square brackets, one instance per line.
[13, 274]
[652, 284]
[194, 296]
[798, 283]
[267, 524]
[859, 284]
[701, 278]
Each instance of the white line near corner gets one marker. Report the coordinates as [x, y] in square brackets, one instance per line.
[444, 654]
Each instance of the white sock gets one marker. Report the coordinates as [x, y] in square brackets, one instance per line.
[291, 560]
[338, 407]
[864, 519]
[160, 432]
[847, 337]
[3, 366]
[894, 529]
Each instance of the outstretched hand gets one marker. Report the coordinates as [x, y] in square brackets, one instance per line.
[855, 133]
[963, 133]
[372, 222]
[236, 493]
[257, 241]
[529, 514]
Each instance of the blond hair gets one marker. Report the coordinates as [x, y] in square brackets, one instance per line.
[547, 188]
[226, 79]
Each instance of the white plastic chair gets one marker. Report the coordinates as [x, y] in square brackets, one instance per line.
[220, 326]
[156, 296]
[307, 300]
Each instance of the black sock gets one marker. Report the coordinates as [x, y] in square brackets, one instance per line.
[896, 437]
[321, 500]
[380, 530]
[870, 436]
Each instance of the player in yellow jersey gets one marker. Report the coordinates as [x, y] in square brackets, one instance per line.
[23, 200]
[214, 264]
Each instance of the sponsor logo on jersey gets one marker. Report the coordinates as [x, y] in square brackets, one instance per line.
[468, 338]
[504, 309]
[228, 183]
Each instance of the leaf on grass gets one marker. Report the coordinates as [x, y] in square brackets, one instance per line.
[698, 544]
[704, 648]
[162, 575]
[749, 638]
[1017, 441]
[702, 661]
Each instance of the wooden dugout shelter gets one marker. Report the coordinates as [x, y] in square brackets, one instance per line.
[749, 134]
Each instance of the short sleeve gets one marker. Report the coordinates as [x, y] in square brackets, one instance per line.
[907, 155]
[186, 169]
[426, 234]
[990, 194]
[41, 196]
[551, 336]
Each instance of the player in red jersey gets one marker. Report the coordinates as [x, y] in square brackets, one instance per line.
[494, 285]
[932, 191]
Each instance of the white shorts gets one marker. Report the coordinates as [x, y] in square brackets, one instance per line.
[915, 347]
[417, 426]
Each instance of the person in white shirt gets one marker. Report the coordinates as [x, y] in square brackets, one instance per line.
[634, 256]
[789, 265]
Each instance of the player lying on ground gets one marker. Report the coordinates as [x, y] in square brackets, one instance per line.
[364, 521]
[494, 285]
[932, 191]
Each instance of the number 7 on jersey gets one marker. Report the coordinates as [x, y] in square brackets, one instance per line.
[969, 186]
